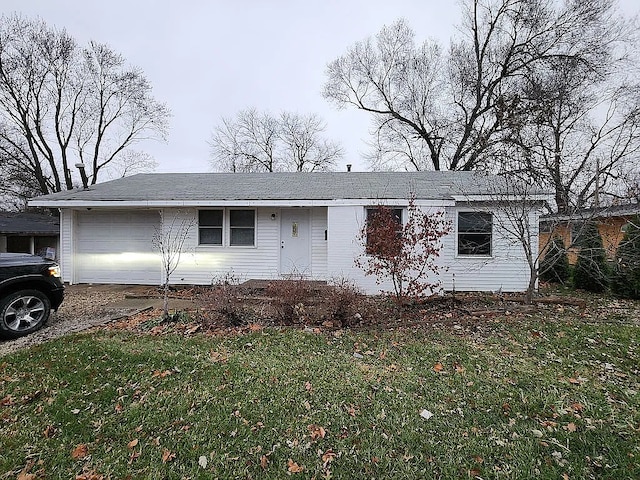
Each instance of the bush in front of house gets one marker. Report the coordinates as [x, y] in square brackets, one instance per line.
[591, 271]
[554, 267]
[625, 280]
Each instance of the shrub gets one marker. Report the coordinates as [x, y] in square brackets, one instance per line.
[554, 267]
[625, 280]
[591, 271]
[290, 300]
[403, 253]
[342, 303]
[226, 301]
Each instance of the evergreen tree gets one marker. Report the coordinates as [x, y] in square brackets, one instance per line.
[554, 267]
[626, 276]
[591, 271]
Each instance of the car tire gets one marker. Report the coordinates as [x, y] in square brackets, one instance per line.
[23, 312]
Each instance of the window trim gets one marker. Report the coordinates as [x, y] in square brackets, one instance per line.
[226, 228]
[255, 225]
[490, 233]
[221, 227]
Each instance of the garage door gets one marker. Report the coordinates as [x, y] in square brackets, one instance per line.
[115, 247]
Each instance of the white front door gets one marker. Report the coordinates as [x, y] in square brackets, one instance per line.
[295, 242]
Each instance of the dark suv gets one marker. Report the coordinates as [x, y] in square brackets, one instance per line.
[30, 287]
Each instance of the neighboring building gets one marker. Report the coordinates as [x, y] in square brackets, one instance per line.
[278, 225]
[611, 221]
[29, 233]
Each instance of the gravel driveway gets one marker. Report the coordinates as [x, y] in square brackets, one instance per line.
[84, 306]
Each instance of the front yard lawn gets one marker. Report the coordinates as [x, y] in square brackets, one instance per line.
[550, 395]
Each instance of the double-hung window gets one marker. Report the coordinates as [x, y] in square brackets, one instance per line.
[242, 227]
[475, 233]
[230, 227]
[210, 226]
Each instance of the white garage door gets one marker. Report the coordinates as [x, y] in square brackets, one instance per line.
[115, 247]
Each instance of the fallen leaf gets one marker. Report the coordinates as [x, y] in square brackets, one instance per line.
[293, 467]
[49, 431]
[80, 451]
[202, 461]
[264, 461]
[438, 367]
[571, 427]
[537, 433]
[160, 374]
[328, 456]
[167, 456]
[578, 407]
[316, 432]
[308, 387]
[132, 444]
[351, 410]
[459, 368]
[118, 408]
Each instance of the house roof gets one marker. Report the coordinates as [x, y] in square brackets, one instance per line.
[626, 210]
[196, 188]
[12, 223]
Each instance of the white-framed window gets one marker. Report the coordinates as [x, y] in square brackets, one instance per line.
[227, 227]
[210, 227]
[475, 233]
[242, 228]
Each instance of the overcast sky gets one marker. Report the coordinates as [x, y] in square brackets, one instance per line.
[209, 59]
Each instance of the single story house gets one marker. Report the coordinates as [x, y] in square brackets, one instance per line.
[611, 221]
[278, 225]
[29, 233]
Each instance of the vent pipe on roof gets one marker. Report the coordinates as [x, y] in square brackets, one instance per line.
[348, 167]
[83, 175]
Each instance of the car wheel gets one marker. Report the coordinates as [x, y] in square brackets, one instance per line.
[23, 312]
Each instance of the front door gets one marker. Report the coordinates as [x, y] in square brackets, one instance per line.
[295, 242]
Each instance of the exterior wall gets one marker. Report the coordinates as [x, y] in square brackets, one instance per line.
[66, 255]
[506, 269]
[204, 264]
[333, 258]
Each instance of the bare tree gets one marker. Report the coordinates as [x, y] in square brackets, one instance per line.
[260, 142]
[61, 104]
[579, 127]
[303, 150]
[169, 239]
[448, 109]
[247, 143]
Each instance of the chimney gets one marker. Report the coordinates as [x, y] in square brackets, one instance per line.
[348, 167]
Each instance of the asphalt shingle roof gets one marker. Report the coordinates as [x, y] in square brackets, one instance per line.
[281, 186]
[12, 223]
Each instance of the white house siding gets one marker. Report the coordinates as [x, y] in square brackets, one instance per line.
[506, 270]
[319, 243]
[114, 246]
[65, 255]
[344, 226]
[204, 264]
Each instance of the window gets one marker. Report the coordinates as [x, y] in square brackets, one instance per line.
[474, 233]
[372, 212]
[210, 227]
[242, 227]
